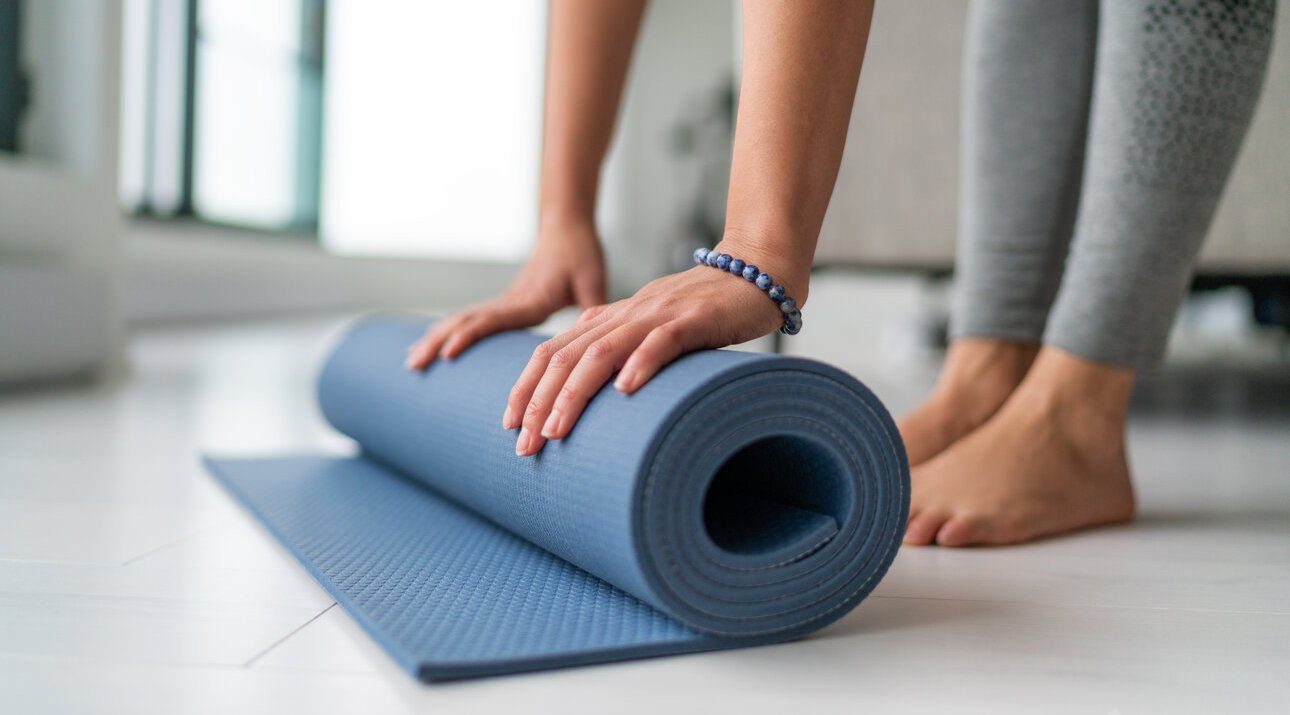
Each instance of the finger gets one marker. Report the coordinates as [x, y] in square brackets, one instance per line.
[469, 332]
[416, 353]
[598, 363]
[424, 352]
[664, 344]
[557, 371]
[532, 373]
[414, 349]
[485, 323]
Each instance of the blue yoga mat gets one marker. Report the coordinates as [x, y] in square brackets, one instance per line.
[737, 499]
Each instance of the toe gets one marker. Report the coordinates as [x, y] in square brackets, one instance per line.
[914, 510]
[1007, 531]
[960, 530]
[922, 528]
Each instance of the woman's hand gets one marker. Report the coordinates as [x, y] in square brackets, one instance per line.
[699, 308]
[566, 268]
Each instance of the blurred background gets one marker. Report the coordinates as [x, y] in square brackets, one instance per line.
[197, 196]
[178, 162]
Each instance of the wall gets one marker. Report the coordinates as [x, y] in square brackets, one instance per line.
[896, 195]
[181, 271]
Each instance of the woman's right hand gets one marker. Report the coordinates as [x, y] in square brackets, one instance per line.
[566, 268]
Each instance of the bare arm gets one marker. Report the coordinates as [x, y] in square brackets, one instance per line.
[801, 65]
[589, 49]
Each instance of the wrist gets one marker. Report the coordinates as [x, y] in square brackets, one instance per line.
[792, 272]
[566, 229]
[776, 288]
[564, 216]
[566, 199]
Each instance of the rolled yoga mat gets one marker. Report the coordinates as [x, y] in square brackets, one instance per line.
[736, 499]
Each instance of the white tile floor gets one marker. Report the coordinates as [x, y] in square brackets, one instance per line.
[130, 583]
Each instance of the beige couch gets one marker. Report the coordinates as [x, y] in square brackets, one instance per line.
[895, 202]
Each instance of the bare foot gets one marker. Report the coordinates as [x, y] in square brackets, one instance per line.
[1052, 460]
[978, 376]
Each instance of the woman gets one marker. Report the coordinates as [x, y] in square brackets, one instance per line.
[1098, 138]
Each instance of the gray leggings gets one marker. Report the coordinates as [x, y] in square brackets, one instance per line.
[1097, 140]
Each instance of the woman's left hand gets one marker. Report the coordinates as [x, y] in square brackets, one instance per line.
[695, 309]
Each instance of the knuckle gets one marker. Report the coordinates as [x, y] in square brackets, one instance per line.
[666, 332]
[600, 350]
[568, 394]
[435, 332]
[544, 351]
[466, 333]
[534, 410]
[563, 358]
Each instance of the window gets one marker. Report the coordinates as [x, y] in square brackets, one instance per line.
[424, 138]
[433, 130]
[222, 110]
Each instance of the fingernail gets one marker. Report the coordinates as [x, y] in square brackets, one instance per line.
[624, 382]
[508, 419]
[551, 430]
[522, 444]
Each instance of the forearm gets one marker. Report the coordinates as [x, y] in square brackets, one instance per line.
[589, 47]
[801, 66]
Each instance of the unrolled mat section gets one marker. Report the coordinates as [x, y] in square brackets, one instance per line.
[736, 499]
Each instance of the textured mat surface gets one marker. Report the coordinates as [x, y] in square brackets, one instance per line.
[736, 499]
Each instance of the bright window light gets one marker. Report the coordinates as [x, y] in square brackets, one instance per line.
[246, 121]
[432, 127]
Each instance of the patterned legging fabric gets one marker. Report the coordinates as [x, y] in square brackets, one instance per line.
[1098, 137]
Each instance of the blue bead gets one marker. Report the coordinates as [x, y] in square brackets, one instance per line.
[776, 292]
[737, 266]
[700, 254]
[788, 305]
[792, 323]
[751, 272]
[723, 261]
[711, 259]
[764, 281]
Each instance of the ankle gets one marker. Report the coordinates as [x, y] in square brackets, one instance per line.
[980, 374]
[1078, 394]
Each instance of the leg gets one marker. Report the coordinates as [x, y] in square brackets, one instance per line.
[1028, 73]
[1175, 88]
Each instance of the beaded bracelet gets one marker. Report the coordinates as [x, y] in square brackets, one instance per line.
[730, 264]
